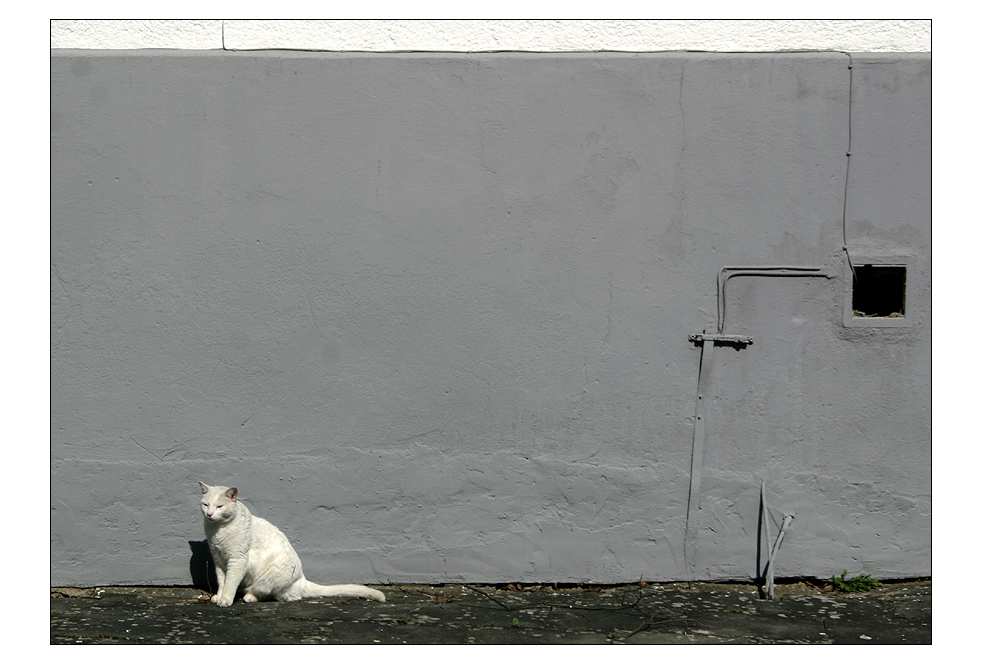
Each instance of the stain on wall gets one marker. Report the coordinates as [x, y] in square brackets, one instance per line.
[431, 312]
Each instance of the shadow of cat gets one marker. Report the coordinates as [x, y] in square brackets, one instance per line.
[203, 575]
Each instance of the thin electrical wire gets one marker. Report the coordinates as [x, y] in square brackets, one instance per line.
[845, 193]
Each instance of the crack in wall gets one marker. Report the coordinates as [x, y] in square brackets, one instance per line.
[679, 167]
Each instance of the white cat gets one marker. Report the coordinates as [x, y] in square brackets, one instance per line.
[251, 552]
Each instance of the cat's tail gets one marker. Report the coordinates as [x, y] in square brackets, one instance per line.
[310, 589]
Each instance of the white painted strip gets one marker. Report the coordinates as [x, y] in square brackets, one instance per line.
[133, 34]
[498, 35]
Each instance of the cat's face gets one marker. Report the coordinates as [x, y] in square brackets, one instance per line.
[218, 503]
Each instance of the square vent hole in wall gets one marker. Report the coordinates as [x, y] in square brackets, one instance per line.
[877, 294]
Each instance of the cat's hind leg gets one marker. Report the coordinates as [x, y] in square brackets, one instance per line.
[256, 593]
[292, 593]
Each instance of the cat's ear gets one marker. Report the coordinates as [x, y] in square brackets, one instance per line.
[204, 487]
[232, 493]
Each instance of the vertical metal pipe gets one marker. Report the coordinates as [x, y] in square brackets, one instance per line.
[765, 517]
[696, 461]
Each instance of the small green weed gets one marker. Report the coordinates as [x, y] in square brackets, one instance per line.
[514, 623]
[857, 584]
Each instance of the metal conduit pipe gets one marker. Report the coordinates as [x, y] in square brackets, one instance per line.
[772, 554]
[708, 341]
[727, 273]
[768, 573]
[765, 518]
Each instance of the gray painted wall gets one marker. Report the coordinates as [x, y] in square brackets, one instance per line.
[430, 313]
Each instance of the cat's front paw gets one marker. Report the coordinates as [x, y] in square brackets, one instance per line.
[221, 601]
